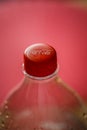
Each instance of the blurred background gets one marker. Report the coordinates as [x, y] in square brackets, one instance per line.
[60, 23]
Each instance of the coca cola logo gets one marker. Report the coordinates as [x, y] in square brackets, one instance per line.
[41, 52]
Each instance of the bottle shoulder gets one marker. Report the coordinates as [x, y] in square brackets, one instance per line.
[53, 98]
[56, 92]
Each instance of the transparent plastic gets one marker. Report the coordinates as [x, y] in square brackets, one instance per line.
[42, 101]
[45, 103]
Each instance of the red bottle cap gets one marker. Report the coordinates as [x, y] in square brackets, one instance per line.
[40, 60]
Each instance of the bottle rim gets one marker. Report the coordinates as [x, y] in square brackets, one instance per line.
[40, 78]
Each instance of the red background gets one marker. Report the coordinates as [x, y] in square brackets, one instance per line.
[62, 26]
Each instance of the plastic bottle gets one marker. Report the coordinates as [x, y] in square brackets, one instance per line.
[42, 101]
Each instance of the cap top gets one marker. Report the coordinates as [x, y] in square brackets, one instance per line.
[39, 52]
[40, 60]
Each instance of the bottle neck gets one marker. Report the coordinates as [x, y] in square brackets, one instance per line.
[40, 81]
[53, 75]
